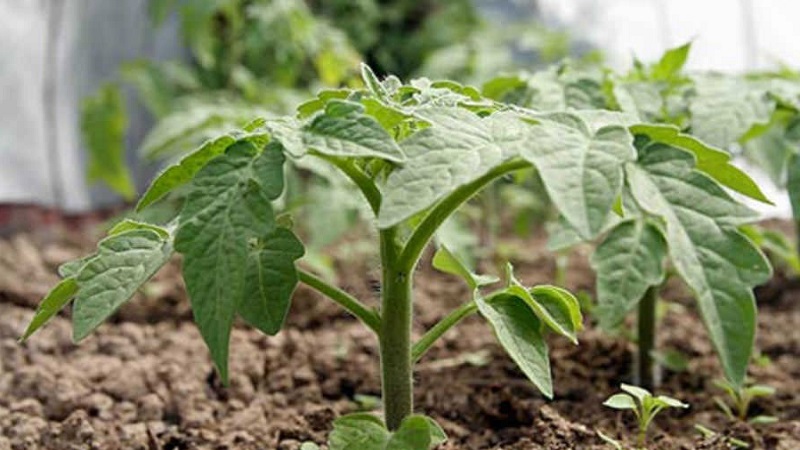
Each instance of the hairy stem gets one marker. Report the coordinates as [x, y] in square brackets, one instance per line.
[449, 321]
[442, 210]
[646, 370]
[369, 317]
[396, 311]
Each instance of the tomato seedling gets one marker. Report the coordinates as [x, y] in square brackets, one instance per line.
[644, 405]
[673, 204]
[740, 397]
[416, 152]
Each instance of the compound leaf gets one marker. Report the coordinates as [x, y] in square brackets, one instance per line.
[123, 263]
[711, 161]
[344, 130]
[519, 331]
[52, 303]
[184, 170]
[628, 261]
[725, 108]
[228, 207]
[718, 263]
[270, 280]
[581, 170]
[456, 149]
[555, 307]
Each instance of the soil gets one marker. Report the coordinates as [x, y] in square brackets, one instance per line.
[144, 380]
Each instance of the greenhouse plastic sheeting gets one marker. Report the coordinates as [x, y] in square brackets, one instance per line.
[51, 61]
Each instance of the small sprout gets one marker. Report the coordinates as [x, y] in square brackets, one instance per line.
[644, 405]
[617, 445]
[741, 398]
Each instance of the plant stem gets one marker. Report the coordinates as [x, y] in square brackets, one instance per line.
[646, 375]
[449, 321]
[369, 317]
[442, 210]
[395, 335]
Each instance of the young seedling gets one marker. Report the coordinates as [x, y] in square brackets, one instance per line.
[416, 152]
[673, 206]
[644, 405]
[739, 399]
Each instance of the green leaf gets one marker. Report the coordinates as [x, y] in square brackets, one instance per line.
[456, 149]
[763, 420]
[270, 280]
[229, 205]
[637, 392]
[620, 401]
[363, 431]
[628, 261]
[129, 225]
[416, 433]
[771, 151]
[373, 84]
[725, 108]
[447, 262]
[344, 130]
[52, 303]
[556, 307]
[793, 186]
[194, 124]
[184, 170]
[718, 263]
[642, 99]
[124, 262]
[713, 162]
[669, 402]
[581, 170]
[520, 333]
[760, 390]
[70, 269]
[671, 63]
[103, 123]
[360, 431]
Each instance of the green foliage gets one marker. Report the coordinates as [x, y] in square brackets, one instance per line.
[417, 152]
[628, 262]
[644, 405]
[103, 123]
[228, 206]
[739, 399]
[364, 431]
[665, 188]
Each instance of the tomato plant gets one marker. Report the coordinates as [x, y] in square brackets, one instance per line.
[416, 152]
[673, 203]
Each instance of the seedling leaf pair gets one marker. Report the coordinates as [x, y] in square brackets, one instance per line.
[363, 431]
[643, 404]
[520, 317]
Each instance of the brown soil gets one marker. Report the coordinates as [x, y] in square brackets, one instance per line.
[144, 380]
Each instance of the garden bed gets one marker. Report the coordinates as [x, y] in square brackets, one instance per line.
[145, 380]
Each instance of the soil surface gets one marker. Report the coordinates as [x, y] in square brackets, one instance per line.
[144, 380]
